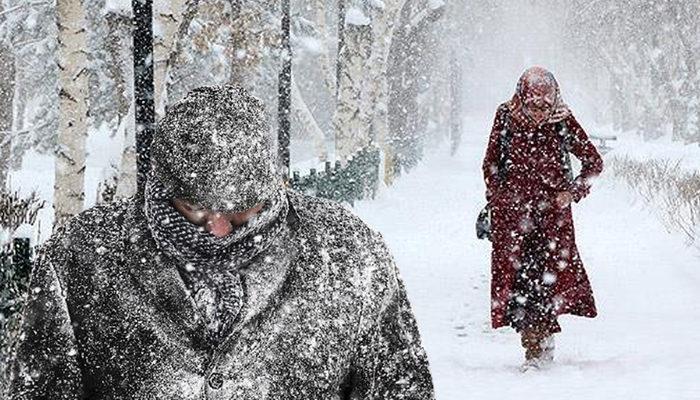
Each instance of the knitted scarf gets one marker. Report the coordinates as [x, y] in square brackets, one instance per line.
[210, 265]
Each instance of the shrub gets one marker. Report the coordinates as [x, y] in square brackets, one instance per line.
[673, 192]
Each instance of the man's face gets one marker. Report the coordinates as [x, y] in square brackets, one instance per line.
[217, 223]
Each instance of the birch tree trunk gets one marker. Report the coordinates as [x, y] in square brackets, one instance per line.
[455, 104]
[411, 54]
[384, 22]
[120, 51]
[7, 93]
[306, 119]
[126, 180]
[119, 60]
[169, 16]
[72, 126]
[255, 48]
[190, 11]
[362, 112]
[324, 58]
[356, 43]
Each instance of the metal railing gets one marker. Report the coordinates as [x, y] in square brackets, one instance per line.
[357, 180]
[602, 140]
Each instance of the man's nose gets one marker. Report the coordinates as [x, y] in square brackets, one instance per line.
[219, 225]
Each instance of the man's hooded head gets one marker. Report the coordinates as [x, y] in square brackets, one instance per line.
[213, 149]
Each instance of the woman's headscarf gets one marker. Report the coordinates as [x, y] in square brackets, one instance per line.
[537, 82]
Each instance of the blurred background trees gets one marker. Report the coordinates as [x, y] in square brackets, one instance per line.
[648, 51]
[359, 71]
[397, 74]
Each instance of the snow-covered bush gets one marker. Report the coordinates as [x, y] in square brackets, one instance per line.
[15, 266]
[675, 193]
[15, 210]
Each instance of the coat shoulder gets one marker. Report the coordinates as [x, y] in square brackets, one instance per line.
[97, 230]
[334, 229]
[331, 220]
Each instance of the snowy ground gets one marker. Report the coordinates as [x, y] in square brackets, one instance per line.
[643, 345]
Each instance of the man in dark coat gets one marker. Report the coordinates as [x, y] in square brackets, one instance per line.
[537, 273]
[217, 283]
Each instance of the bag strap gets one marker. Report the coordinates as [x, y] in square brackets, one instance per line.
[565, 149]
[504, 146]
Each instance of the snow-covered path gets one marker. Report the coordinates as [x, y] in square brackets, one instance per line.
[643, 345]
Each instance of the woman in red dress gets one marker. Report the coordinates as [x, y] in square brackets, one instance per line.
[537, 273]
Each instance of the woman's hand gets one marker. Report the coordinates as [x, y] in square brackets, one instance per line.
[564, 199]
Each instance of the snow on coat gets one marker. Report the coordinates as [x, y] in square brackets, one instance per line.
[316, 309]
[108, 319]
[214, 148]
[523, 205]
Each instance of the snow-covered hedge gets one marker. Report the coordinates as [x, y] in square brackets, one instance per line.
[15, 267]
[16, 210]
[672, 190]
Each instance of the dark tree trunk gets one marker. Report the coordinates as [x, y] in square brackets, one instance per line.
[285, 93]
[143, 86]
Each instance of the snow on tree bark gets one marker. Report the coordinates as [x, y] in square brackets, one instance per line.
[324, 59]
[175, 55]
[243, 53]
[356, 47]
[253, 37]
[119, 61]
[169, 16]
[7, 94]
[304, 116]
[412, 54]
[126, 179]
[72, 131]
[384, 20]
[455, 104]
[119, 68]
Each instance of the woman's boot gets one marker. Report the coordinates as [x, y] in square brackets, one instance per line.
[547, 346]
[530, 340]
[539, 348]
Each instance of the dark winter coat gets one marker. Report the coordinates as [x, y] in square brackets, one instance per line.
[108, 318]
[523, 208]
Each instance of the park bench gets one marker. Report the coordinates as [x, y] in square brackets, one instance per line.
[601, 141]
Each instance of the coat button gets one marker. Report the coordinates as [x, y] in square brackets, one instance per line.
[216, 380]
